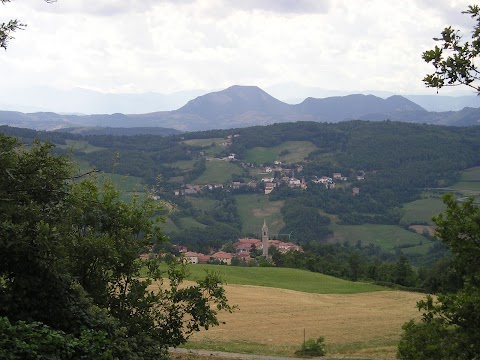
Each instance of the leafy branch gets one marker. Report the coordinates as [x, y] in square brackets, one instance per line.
[455, 60]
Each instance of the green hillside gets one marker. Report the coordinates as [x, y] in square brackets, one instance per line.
[422, 210]
[80, 145]
[218, 172]
[287, 152]
[387, 237]
[282, 278]
[469, 183]
[399, 162]
[254, 208]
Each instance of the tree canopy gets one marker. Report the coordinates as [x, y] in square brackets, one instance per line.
[450, 326]
[70, 268]
[454, 316]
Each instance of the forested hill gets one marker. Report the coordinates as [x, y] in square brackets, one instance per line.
[390, 163]
[402, 154]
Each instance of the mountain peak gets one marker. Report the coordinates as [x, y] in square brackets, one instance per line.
[234, 101]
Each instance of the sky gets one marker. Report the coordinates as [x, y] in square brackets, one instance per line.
[166, 46]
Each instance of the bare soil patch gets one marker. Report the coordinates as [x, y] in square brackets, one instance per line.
[421, 228]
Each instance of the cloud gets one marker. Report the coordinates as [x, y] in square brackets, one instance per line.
[104, 8]
[285, 6]
[165, 46]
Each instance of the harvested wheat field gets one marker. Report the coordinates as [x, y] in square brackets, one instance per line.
[271, 321]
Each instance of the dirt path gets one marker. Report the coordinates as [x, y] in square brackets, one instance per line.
[226, 355]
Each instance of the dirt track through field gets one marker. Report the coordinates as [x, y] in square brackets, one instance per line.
[275, 316]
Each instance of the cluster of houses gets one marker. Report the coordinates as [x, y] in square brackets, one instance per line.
[269, 183]
[329, 182]
[242, 251]
[189, 189]
[228, 140]
[291, 182]
[284, 175]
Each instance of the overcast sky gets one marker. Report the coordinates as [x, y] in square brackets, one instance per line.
[131, 46]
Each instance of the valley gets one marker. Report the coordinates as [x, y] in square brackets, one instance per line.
[360, 248]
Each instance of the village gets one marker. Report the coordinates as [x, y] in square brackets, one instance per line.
[272, 176]
[242, 252]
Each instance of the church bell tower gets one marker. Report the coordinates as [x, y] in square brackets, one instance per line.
[265, 238]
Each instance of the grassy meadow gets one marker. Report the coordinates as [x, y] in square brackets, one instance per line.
[201, 203]
[212, 145]
[80, 145]
[469, 183]
[422, 210]
[204, 142]
[295, 151]
[388, 237]
[283, 278]
[218, 171]
[254, 208]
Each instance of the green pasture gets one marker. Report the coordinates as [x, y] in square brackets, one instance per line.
[214, 151]
[218, 171]
[189, 222]
[204, 142]
[169, 226]
[472, 174]
[469, 182]
[421, 211]
[297, 151]
[176, 179]
[127, 184]
[387, 237]
[283, 278]
[254, 208]
[80, 145]
[201, 203]
[184, 164]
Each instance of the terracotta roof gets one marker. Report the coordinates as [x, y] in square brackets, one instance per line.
[222, 255]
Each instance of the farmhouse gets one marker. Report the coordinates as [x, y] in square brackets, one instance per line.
[269, 186]
[196, 258]
[223, 257]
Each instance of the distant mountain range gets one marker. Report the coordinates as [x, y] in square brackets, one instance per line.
[243, 106]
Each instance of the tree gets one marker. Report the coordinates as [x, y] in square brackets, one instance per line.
[454, 316]
[6, 29]
[69, 264]
[455, 59]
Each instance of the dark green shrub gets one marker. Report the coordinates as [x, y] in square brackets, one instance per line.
[312, 347]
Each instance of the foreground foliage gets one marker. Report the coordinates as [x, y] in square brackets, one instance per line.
[454, 316]
[455, 59]
[70, 268]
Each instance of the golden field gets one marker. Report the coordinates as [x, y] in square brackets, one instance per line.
[271, 321]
